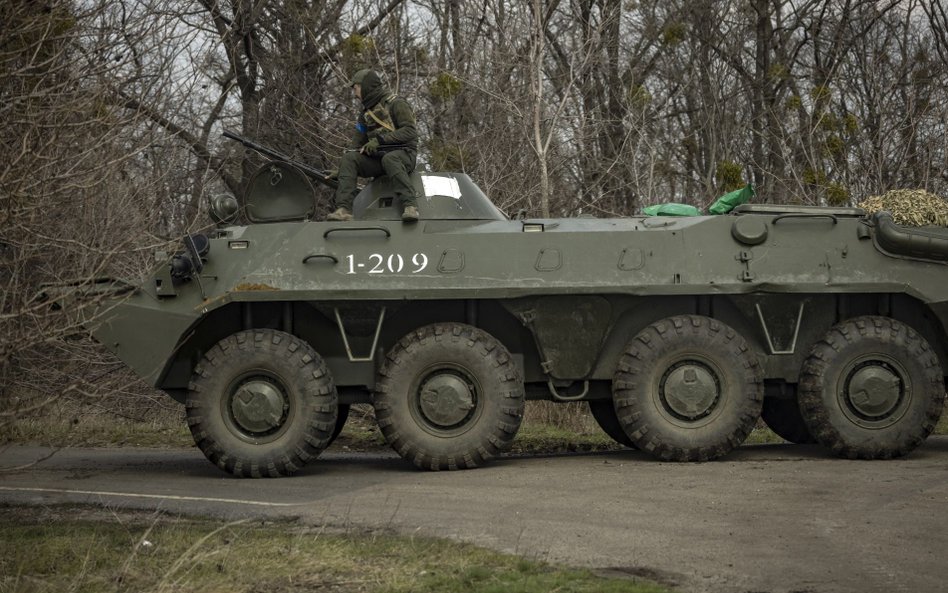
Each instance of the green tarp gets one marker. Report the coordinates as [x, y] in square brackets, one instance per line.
[672, 210]
[722, 205]
[730, 201]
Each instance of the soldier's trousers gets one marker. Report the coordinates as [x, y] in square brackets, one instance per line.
[397, 164]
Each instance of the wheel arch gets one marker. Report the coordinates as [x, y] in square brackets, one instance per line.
[926, 320]
[820, 312]
[640, 312]
[315, 323]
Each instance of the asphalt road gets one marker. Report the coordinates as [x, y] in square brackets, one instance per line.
[769, 518]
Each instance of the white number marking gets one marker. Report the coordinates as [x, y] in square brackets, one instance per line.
[420, 260]
[393, 264]
[377, 268]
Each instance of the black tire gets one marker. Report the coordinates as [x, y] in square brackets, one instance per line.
[872, 388]
[782, 416]
[449, 396]
[687, 388]
[261, 403]
[604, 411]
[342, 415]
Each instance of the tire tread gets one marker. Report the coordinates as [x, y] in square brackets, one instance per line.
[202, 401]
[504, 423]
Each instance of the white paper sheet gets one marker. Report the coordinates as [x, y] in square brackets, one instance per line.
[441, 186]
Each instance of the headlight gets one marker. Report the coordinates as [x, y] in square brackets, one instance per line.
[186, 263]
[224, 209]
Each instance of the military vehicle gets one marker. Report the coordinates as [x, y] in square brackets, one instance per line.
[679, 333]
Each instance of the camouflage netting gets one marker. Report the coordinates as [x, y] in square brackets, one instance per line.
[912, 207]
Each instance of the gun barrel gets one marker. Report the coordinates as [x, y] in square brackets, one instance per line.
[314, 173]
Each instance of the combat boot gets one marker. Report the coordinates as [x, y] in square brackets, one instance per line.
[410, 214]
[340, 215]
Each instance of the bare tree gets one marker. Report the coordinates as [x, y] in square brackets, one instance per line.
[77, 193]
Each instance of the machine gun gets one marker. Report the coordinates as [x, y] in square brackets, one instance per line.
[312, 172]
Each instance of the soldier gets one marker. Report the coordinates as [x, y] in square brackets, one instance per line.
[385, 142]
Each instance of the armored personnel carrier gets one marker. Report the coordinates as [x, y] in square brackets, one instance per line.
[679, 333]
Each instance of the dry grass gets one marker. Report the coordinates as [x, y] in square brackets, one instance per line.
[56, 549]
[556, 427]
[102, 422]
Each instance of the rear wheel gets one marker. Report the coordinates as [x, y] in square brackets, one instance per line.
[261, 403]
[782, 416]
[688, 389]
[449, 396]
[872, 388]
[604, 411]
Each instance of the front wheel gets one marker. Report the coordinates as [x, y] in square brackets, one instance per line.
[449, 396]
[688, 388]
[872, 388]
[261, 403]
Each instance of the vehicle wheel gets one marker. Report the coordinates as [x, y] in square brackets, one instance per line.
[872, 388]
[688, 389]
[261, 404]
[604, 411]
[782, 416]
[342, 415]
[449, 396]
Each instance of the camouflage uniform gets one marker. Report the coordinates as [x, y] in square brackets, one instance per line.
[390, 120]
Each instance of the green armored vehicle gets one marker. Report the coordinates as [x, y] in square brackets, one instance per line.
[679, 332]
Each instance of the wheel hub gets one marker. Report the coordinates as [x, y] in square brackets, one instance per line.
[874, 390]
[446, 400]
[258, 406]
[690, 390]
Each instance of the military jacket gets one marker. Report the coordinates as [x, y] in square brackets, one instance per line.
[391, 120]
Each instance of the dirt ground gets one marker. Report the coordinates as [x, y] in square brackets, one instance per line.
[767, 519]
